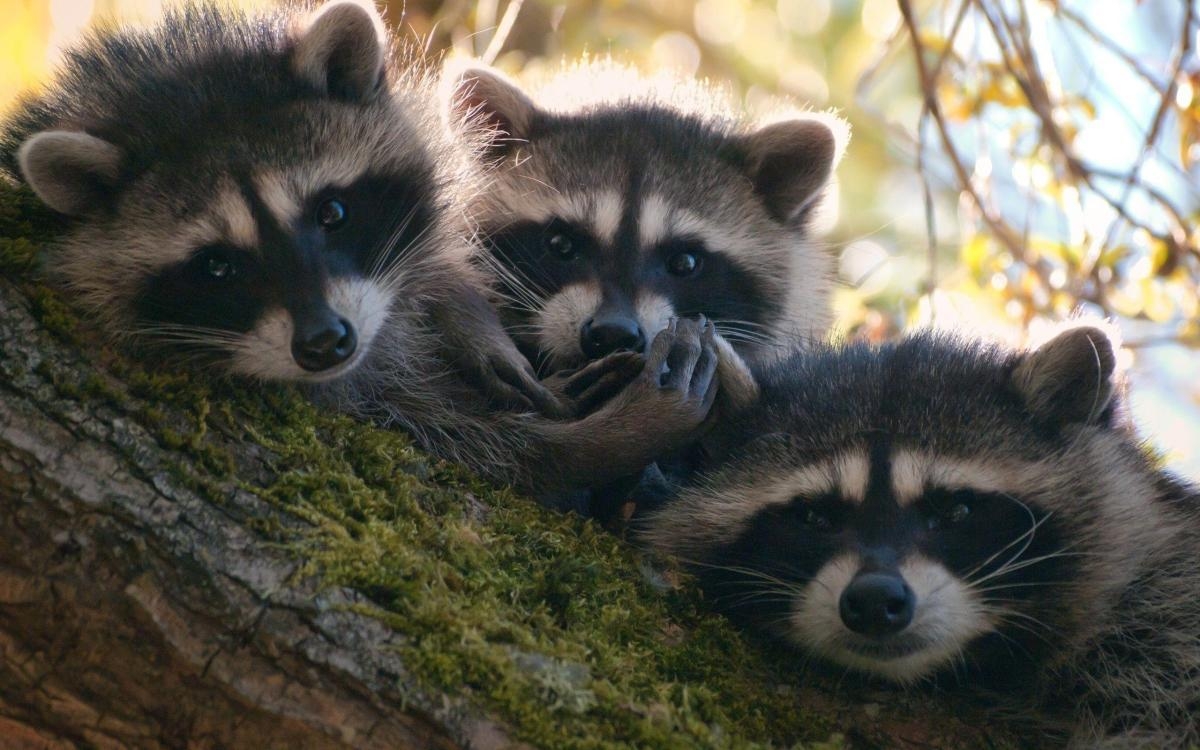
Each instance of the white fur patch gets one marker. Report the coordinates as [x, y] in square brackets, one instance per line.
[654, 221]
[279, 195]
[853, 475]
[916, 472]
[910, 473]
[599, 213]
[816, 623]
[366, 305]
[560, 318]
[981, 476]
[654, 312]
[948, 616]
[717, 517]
[284, 192]
[605, 210]
[232, 212]
[265, 352]
[742, 246]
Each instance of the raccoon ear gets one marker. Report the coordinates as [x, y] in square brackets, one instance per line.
[340, 50]
[790, 161]
[72, 172]
[487, 102]
[1070, 378]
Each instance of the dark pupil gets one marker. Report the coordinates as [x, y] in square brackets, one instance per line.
[958, 514]
[331, 214]
[218, 267]
[816, 520]
[682, 264]
[561, 245]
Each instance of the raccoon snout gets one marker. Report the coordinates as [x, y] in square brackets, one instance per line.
[601, 336]
[323, 341]
[877, 604]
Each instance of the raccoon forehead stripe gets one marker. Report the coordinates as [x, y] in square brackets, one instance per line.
[910, 475]
[853, 470]
[719, 512]
[238, 225]
[746, 250]
[654, 221]
[915, 472]
[275, 191]
[606, 209]
[600, 212]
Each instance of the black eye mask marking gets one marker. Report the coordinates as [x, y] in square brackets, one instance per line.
[699, 280]
[216, 288]
[369, 225]
[544, 256]
[365, 227]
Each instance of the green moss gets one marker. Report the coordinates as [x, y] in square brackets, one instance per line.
[545, 619]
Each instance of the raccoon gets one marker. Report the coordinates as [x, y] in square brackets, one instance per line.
[942, 509]
[621, 201]
[274, 196]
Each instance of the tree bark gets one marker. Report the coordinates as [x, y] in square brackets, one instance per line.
[135, 613]
[145, 603]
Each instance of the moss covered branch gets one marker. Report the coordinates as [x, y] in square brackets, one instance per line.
[201, 563]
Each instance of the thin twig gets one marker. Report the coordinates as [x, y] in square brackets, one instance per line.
[502, 31]
[929, 88]
[1164, 106]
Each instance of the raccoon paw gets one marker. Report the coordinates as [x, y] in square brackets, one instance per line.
[681, 368]
[509, 382]
[589, 387]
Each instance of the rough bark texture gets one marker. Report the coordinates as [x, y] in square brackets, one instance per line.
[134, 612]
[161, 586]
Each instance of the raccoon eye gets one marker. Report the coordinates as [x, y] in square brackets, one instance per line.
[218, 268]
[957, 514]
[817, 520]
[215, 264]
[331, 214]
[560, 246]
[683, 264]
[951, 517]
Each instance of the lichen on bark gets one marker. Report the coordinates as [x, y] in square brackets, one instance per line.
[187, 559]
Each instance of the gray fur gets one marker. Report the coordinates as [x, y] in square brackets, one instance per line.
[218, 128]
[1094, 637]
[69, 170]
[597, 141]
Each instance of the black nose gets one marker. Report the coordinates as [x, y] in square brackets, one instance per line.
[323, 342]
[601, 336]
[877, 604]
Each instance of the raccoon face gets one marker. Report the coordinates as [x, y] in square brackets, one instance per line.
[269, 236]
[924, 508]
[604, 223]
[297, 282]
[589, 292]
[892, 562]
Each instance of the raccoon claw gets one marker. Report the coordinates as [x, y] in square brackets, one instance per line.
[595, 383]
[681, 367]
[685, 358]
[514, 385]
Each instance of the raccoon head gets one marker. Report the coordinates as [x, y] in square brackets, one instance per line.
[607, 219]
[929, 505]
[246, 193]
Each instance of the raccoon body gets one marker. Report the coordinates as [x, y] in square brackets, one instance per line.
[616, 202]
[275, 196]
[938, 508]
